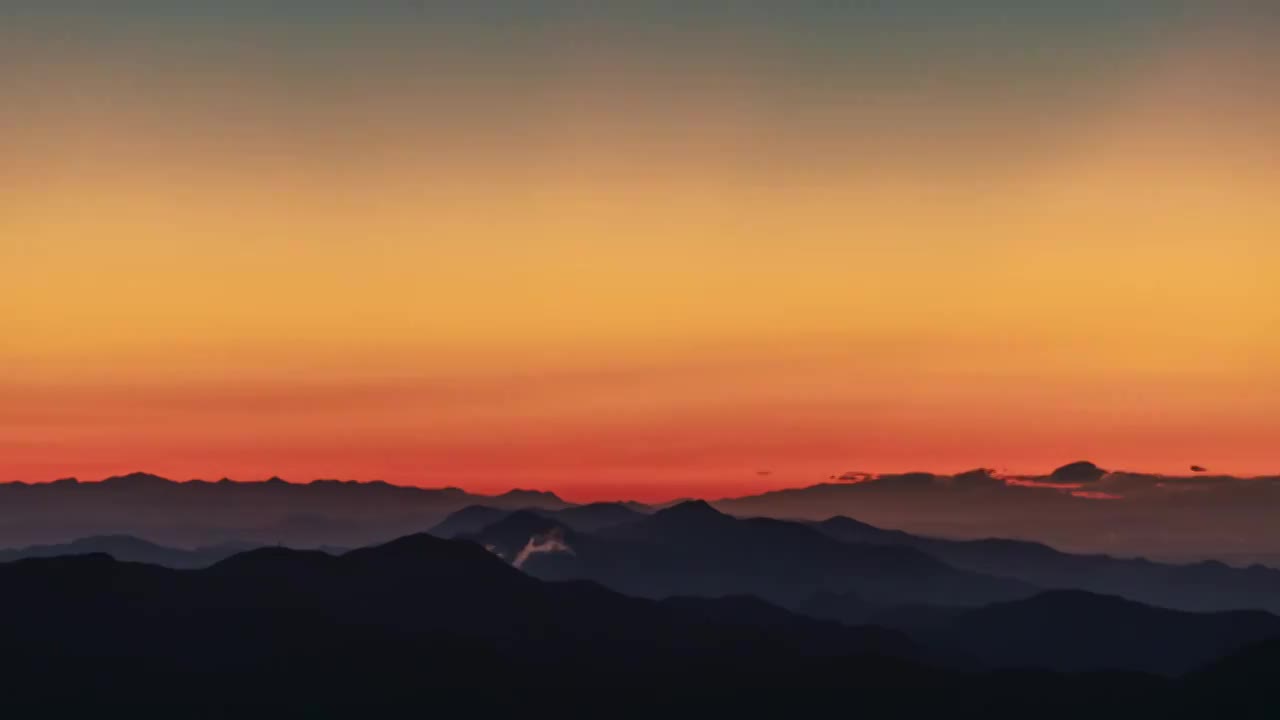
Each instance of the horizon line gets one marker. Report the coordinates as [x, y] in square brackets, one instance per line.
[847, 478]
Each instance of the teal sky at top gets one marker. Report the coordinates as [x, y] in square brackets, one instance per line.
[817, 69]
[813, 21]
[800, 41]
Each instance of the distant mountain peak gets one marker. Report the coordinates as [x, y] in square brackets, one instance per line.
[848, 522]
[527, 521]
[525, 498]
[423, 553]
[137, 478]
[977, 476]
[690, 509]
[1082, 471]
[524, 493]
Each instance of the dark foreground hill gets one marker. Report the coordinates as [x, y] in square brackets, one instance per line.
[409, 625]
[406, 625]
[449, 604]
[1067, 631]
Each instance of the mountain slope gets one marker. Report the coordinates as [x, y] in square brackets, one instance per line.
[127, 548]
[1204, 586]
[395, 624]
[1073, 631]
[587, 518]
[692, 549]
[277, 605]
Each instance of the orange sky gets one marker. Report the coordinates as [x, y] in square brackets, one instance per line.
[651, 267]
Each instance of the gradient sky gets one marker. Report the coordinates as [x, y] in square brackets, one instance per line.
[645, 252]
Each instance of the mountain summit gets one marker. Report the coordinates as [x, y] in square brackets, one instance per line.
[1078, 472]
[691, 510]
[137, 479]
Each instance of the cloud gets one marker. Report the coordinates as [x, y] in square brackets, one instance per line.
[1080, 507]
[1078, 472]
[912, 479]
[550, 542]
[978, 477]
[1095, 495]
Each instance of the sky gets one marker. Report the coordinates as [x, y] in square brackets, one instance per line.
[637, 250]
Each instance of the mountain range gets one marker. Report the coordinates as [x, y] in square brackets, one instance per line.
[526, 592]
[421, 619]
[1079, 508]
[146, 518]
[444, 612]
[130, 549]
[198, 513]
[1203, 586]
[670, 551]
[693, 549]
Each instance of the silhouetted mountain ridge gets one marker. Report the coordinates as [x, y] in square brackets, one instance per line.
[384, 623]
[1204, 586]
[589, 517]
[137, 479]
[333, 513]
[1074, 631]
[692, 549]
[414, 584]
[201, 513]
[1170, 517]
[127, 548]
